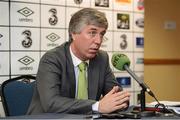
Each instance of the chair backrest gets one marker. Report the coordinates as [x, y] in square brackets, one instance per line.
[16, 94]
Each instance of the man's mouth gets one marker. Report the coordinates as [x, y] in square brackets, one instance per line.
[94, 50]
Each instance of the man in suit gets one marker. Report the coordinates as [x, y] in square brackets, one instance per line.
[57, 78]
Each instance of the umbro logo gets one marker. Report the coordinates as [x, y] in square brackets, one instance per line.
[25, 11]
[52, 37]
[26, 60]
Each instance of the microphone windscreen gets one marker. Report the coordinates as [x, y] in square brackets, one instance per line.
[119, 60]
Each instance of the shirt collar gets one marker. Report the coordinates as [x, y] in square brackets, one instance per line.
[76, 61]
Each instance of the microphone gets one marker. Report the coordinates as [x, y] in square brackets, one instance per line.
[122, 63]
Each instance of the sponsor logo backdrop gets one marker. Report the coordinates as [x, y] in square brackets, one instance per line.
[28, 28]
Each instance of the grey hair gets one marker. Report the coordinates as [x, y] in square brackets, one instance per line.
[86, 16]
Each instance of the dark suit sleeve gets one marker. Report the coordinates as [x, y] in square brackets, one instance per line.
[49, 83]
[109, 77]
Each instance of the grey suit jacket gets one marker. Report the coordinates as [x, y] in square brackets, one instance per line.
[55, 86]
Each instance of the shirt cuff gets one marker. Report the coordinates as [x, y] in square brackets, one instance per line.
[95, 107]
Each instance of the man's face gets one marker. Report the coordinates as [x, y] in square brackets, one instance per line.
[86, 44]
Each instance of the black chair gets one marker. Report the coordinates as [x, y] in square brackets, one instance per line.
[16, 94]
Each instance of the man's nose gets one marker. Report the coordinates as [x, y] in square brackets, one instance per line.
[98, 39]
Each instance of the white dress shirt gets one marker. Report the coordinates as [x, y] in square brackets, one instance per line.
[76, 61]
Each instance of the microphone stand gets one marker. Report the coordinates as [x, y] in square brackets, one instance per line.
[145, 88]
[144, 112]
[143, 100]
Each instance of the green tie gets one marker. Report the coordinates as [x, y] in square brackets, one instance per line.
[82, 82]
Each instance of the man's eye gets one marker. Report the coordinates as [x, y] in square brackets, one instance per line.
[102, 35]
[92, 33]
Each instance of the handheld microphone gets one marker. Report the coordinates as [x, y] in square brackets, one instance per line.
[122, 62]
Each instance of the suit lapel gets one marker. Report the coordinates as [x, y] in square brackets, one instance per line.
[70, 71]
[93, 78]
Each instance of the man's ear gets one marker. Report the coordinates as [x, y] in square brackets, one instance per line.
[73, 36]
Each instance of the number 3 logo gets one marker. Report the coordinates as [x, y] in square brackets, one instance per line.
[53, 19]
[27, 42]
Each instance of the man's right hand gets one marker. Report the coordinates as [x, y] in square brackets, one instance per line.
[114, 100]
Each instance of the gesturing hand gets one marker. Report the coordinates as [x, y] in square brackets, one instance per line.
[114, 100]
